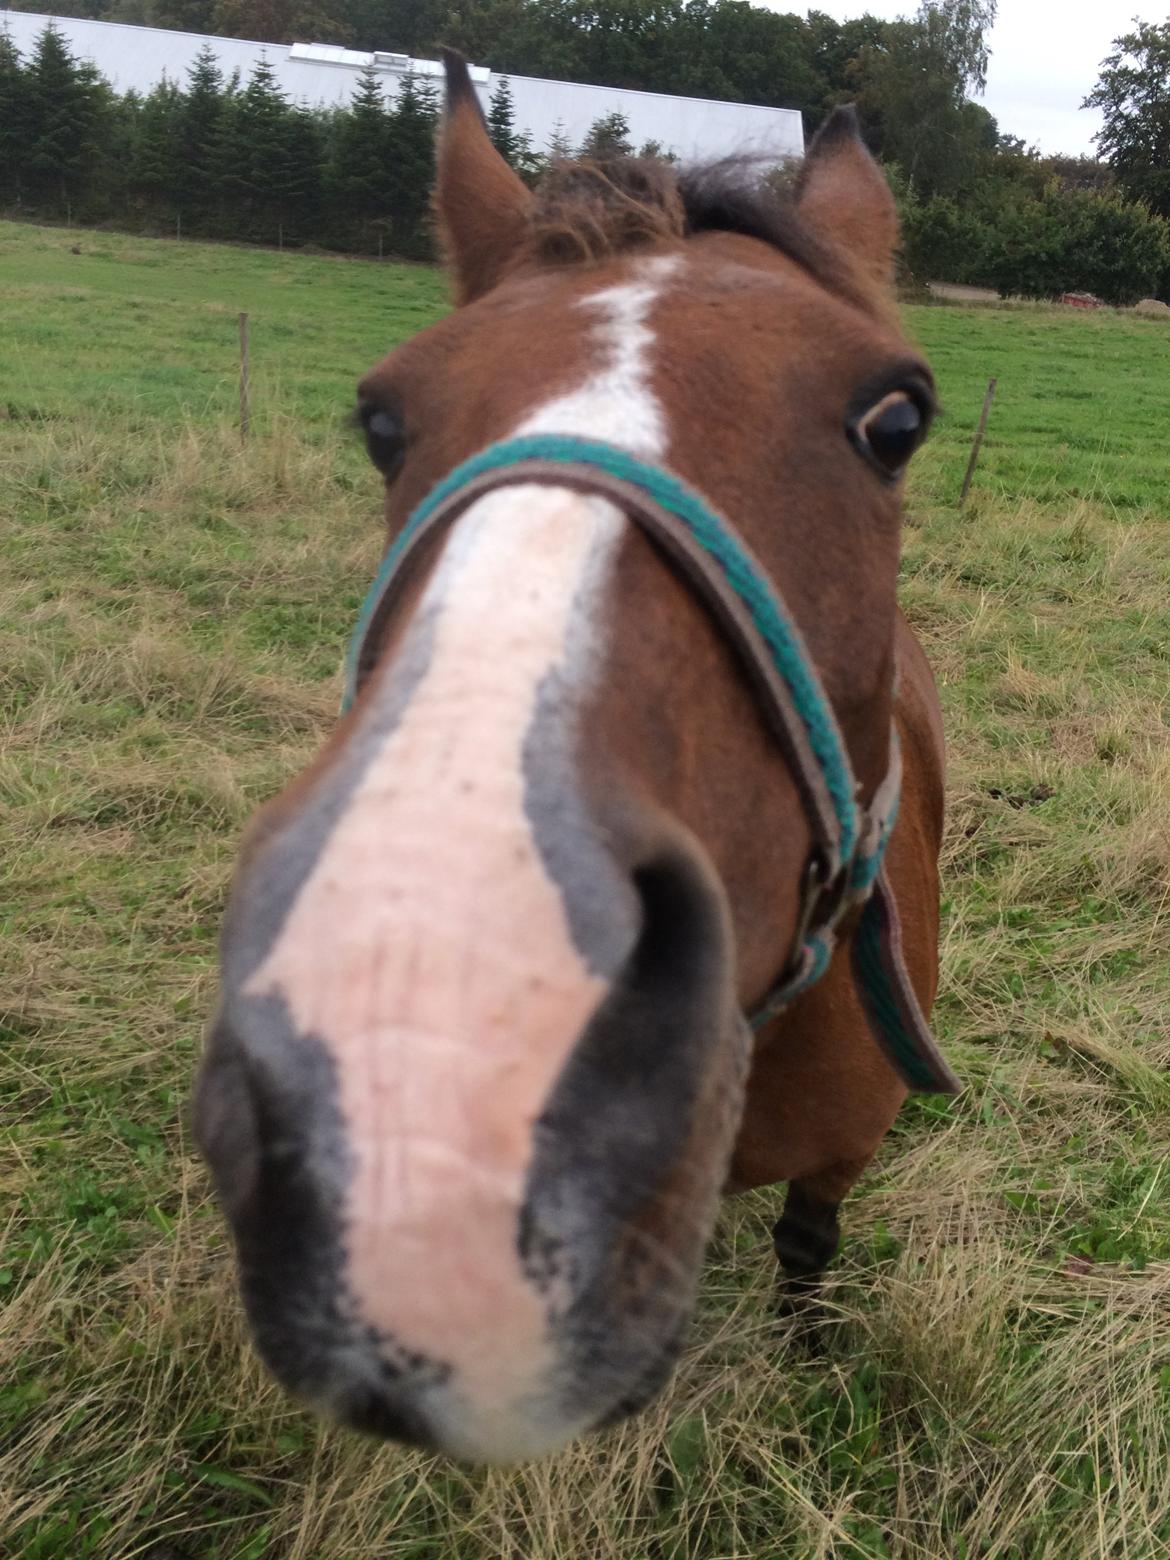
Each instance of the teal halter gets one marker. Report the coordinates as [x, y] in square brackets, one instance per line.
[845, 872]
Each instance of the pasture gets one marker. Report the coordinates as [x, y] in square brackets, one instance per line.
[173, 609]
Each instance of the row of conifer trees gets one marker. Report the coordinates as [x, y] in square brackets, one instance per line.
[220, 158]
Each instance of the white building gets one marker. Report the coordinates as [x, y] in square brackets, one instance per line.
[322, 76]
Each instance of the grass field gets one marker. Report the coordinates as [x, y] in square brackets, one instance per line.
[172, 614]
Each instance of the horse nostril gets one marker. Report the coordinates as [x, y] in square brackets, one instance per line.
[622, 1110]
[679, 924]
[376, 1411]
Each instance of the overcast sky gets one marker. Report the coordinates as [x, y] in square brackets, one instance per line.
[1044, 59]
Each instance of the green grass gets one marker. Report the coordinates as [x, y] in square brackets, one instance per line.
[149, 329]
[1079, 410]
[172, 612]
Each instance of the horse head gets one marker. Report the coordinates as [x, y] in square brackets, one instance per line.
[479, 1066]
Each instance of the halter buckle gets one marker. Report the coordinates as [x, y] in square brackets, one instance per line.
[812, 890]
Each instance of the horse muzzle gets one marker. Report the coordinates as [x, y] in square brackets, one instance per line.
[471, 1177]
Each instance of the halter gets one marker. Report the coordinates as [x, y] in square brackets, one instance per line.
[845, 872]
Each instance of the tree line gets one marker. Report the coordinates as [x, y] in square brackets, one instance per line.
[224, 158]
[911, 78]
[215, 157]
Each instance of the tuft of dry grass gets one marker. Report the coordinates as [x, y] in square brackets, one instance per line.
[996, 1377]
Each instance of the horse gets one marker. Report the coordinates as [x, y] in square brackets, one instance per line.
[615, 887]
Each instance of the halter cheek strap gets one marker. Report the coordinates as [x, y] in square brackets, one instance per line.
[845, 872]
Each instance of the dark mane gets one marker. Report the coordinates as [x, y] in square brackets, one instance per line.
[589, 211]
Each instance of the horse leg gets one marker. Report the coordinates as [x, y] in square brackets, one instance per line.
[806, 1238]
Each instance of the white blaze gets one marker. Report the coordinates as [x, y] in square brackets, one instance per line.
[429, 948]
[616, 402]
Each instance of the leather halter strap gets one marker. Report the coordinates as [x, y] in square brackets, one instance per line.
[845, 870]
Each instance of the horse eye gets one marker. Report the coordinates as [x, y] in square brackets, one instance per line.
[385, 437]
[890, 432]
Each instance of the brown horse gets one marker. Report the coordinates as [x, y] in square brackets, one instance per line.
[478, 1076]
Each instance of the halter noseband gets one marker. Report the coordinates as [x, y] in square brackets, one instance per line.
[845, 870]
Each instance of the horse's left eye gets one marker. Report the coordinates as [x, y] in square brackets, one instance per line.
[890, 432]
[385, 437]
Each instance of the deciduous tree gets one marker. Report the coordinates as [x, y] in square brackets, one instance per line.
[912, 87]
[1133, 94]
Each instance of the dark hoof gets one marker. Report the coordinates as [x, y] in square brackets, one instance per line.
[805, 1320]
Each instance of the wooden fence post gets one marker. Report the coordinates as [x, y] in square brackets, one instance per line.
[245, 404]
[978, 441]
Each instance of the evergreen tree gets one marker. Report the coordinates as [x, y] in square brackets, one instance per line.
[608, 137]
[528, 162]
[223, 216]
[197, 136]
[501, 120]
[411, 161]
[14, 119]
[559, 144]
[65, 102]
[119, 148]
[154, 172]
[430, 102]
[359, 178]
[298, 188]
[253, 154]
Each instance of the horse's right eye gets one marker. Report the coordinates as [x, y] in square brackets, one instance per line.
[891, 428]
[385, 437]
[891, 432]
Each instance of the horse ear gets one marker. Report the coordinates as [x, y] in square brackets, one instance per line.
[481, 205]
[843, 196]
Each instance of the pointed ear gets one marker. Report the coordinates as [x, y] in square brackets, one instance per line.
[481, 204]
[842, 195]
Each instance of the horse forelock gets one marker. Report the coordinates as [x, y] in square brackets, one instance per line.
[588, 211]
